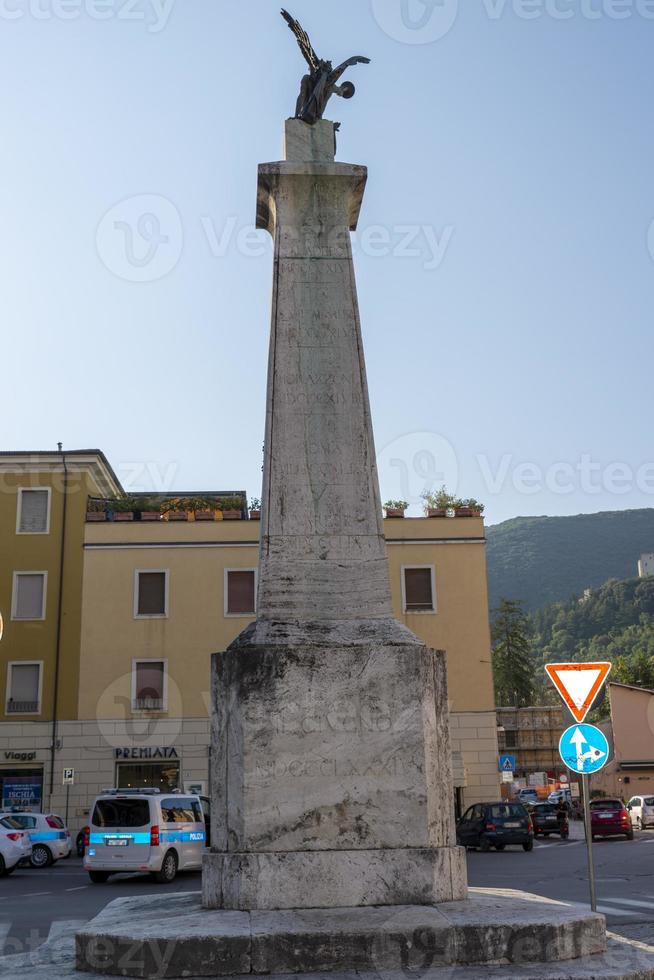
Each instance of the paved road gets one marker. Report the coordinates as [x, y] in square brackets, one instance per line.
[35, 905]
[559, 870]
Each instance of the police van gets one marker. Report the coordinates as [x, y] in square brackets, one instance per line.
[144, 830]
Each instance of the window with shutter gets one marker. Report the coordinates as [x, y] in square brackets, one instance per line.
[33, 511]
[240, 592]
[23, 694]
[149, 685]
[29, 595]
[151, 598]
[418, 590]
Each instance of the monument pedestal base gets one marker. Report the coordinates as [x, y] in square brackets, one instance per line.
[331, 775]
[332, 879]
[174, 936]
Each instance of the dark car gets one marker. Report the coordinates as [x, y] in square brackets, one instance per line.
[487, 825]
[549, 818]
[610, 818]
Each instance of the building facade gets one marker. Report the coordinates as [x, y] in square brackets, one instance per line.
[532, 735]
[630, 733]
[154, 598]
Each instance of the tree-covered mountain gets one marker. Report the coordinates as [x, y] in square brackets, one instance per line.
[615, 622]
[541, 560]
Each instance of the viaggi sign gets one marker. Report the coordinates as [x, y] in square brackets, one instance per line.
[146, 754]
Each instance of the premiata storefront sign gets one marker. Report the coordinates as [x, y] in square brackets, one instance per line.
[146, 754]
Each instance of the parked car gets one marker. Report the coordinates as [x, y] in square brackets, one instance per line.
[144, 830]
[547, 820]
[15, 846]
[49, 836]
[610, 818]
[527, 796]
[558, 795]
[487, 825]
[641, 809]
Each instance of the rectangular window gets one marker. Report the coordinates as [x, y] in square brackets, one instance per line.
[240, 592]
[511, 738]
[29, 595]
[418, 587]
[33, 511]
[149, 685]
[151, 594]
[24, 688]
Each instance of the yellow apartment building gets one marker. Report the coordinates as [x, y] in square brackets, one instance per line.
[156, 597]
[43, 501]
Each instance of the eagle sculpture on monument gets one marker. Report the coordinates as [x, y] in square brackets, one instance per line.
[321, 83]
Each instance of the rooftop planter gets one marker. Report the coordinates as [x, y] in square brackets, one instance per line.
[444, 504]
[255, 509]
[96, 516]
[395, 508]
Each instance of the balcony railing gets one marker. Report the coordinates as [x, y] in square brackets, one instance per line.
[22, 707]
[148, 704]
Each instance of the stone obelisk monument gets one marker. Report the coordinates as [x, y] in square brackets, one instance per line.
[331, 783]
[331, 754]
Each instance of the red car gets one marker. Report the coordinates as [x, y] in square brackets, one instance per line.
[610, 818]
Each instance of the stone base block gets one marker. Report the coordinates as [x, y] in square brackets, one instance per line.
[174, 936]
[329, 879]
[304, 143]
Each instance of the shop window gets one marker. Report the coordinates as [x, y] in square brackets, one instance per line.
[163, 776]
[33, 512]
[22, 789]
[151, 594]
[28, 600]
[149, 685]
[418, 589]
[240, 592]
[24, 688]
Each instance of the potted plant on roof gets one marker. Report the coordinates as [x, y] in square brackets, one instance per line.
[437, 503]
[255, 509]
[469, 507]
[174, 510]
[96, 511]
[232, 508]
[395, 508]
[150, 510]
[122, 509]
[204, 509]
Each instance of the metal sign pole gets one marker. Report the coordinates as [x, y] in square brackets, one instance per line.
[67, 799]
[589, 841]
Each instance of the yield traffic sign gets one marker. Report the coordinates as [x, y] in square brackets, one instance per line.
[584, 749]
[579, 684]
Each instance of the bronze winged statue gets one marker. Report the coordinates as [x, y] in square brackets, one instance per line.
[321, 83]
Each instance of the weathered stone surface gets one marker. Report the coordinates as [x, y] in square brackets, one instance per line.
[304, 142]
[171, 937]
[331, 878]
[342, 750]
[159, 936]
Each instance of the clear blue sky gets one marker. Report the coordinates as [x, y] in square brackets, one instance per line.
[522, 148]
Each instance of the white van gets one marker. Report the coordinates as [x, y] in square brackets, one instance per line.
[144, 830]
[642, 811]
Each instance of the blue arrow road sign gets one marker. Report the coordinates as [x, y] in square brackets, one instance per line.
[584, 749]
[507, 763]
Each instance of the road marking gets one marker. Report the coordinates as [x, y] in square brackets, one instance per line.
[36, 894]
[62, 927]
[632, 901]
[80, 888]
[608, 910]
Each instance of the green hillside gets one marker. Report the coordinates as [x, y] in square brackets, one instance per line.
[542, 560]
[616, 623]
